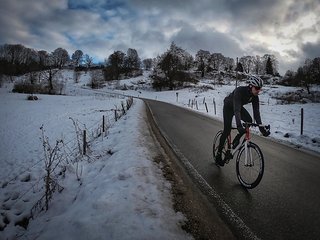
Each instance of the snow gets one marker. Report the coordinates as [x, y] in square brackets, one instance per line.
[117, 191]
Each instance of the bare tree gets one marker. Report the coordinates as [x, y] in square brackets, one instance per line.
[147, 63]
[115, 65]
[60, 57]
[247, 63]
[76, 76]
[315, 70]
[88, 61]
[202, 61]
[258, 65]
[216, 60]
[229, 64]
[132, 60]
[77, 57]
[172, 68]
[273, 62]
[97, 78]
[50, 73]
[13, 53]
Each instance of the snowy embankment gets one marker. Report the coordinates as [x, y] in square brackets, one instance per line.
[117, 191]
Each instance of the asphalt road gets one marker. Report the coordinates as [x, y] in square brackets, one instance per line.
[285, 205]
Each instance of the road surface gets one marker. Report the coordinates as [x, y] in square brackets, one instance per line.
[285, 205]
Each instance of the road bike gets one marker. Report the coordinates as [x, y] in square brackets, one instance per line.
[249, 160]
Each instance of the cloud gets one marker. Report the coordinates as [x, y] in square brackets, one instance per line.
[311, 50]
[288, 29]
[207, 39]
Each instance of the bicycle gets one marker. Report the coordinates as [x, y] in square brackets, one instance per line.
[249, 161]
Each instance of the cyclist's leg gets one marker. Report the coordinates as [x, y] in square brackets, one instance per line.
[227, 119]
[245, 116]
[227, 124]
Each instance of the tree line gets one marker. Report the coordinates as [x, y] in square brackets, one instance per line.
[16, 59]
[169, 70]
[176, 66]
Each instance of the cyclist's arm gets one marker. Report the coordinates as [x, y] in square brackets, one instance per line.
[237, 105]
[256, 109]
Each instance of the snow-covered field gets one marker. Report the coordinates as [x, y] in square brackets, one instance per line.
[117, 191]
[285, 119]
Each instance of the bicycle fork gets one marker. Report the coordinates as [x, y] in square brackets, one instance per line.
[248, 162]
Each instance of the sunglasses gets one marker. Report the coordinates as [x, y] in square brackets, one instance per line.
[257, 88]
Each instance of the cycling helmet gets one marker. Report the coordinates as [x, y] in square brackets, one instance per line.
[255, 81]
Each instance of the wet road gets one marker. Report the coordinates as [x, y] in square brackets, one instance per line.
[285, 205]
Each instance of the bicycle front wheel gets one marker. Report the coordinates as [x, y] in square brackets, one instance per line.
[250, 165]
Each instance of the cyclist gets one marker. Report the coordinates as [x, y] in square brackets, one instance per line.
[233, 105]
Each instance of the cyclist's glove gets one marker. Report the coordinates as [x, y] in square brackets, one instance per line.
[241, 130]
[265, 132]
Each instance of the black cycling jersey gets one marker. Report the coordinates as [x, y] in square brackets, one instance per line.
[239, 97]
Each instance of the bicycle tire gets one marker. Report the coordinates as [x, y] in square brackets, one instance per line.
[250, 176]
[215, 145]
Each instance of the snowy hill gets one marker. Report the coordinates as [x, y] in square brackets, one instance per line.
[116, 191]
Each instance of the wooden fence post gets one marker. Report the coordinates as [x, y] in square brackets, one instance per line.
[103, 124]
[84, 142]
[301, 130]
[115, 115]
[123, 110]
[128, 104]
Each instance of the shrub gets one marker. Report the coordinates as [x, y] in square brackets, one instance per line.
[32, 97]
[26, 87]
[300, 96]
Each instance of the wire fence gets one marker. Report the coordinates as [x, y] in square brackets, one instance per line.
[71, 151]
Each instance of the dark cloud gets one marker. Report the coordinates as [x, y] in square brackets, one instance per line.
[193, 40]
[311, 50]
[296, 9]
[98, 27]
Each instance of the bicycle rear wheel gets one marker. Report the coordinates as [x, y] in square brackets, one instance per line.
[250, 172]
[215, 146]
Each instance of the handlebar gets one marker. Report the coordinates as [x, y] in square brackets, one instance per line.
[248, 124]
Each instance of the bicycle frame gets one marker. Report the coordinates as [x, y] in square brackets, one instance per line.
[245, 142]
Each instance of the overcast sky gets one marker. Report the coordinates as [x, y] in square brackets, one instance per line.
[289, 29]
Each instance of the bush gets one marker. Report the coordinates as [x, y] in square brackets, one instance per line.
[43, 88]
[27, 87]
[134, 73]
[300, 96]
[97, 79]
[158, 82]
[181, 77]
[32, 97]
[177, 80]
